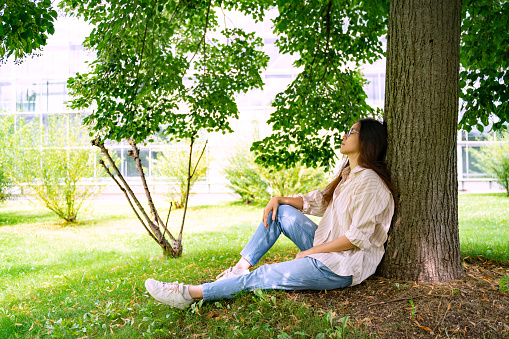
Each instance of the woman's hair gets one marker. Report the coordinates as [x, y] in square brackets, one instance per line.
[373, 146]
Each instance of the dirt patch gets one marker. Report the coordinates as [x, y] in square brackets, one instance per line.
[472, 307]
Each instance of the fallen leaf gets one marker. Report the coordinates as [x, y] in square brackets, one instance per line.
[426, 328]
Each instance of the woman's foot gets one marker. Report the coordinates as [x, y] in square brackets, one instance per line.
[173, 294]
[232, 272]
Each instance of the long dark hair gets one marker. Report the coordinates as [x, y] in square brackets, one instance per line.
[373, 144]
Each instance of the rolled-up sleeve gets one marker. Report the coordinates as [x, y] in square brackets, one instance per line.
[368, 201]
[312, 203]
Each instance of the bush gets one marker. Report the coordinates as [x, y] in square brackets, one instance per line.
[245, 177]
[494, 159]
[8, 142]
[51, 168]
[256, 183]
[172, 164]
[4, 184]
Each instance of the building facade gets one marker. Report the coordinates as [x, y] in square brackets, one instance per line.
[36, 89]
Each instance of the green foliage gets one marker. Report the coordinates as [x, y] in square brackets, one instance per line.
[256, 183]
[335, 331]
[412, 313]
[172, 164]
[327, 97]
[8, 139]
[51, 168]
[494, 159]
[244, 177]
[24, 27]
[4, 184]
[485, 76]
[157, 72]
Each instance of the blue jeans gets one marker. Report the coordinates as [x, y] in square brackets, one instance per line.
[299, 274]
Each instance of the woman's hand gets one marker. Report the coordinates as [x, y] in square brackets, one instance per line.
[301, 254]
[271, 207]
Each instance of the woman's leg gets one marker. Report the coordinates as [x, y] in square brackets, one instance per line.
[289, 221]
[299, 274]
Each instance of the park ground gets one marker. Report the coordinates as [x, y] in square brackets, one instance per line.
[85, 280]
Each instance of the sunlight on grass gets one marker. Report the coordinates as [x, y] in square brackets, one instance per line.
[86, 279]
[484, 225]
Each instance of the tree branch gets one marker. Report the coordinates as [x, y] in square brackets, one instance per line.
[327, 23]
[104, 150]
[136, 157]
[204, 32]
[167, 219]
[187, 190]
[127, 196]
[198, 162]
[143, 45]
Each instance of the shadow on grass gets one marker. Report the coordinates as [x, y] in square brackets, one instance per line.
[26, 217]
[109, 297]
[226, 204]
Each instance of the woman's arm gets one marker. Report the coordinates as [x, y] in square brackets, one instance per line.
[337, 245]
[313, 203]
[274, 202]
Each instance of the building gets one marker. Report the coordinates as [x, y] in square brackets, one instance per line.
[37, 89]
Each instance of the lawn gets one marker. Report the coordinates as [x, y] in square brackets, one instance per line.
[484, 225]
[86, 280]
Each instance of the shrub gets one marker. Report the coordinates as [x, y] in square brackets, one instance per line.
[494, 159]
[52, 168]
[4, 184]
[8, 142]
[245, 178]
[172, 164]
[256, 183]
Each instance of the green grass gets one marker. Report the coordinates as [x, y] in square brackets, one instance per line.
[72, 281]
[86, 280]
[484, 226]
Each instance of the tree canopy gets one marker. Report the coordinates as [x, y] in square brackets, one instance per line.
[24, 27]
[163, 67]
[484, 79]
[333, 37]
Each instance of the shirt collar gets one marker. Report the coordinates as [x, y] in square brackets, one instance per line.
[357, 169]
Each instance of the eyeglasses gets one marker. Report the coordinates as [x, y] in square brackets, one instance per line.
[352, 130]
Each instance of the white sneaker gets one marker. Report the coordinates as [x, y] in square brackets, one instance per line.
[229, 273]
[168, 293]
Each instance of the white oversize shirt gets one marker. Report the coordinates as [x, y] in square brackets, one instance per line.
[361, 209]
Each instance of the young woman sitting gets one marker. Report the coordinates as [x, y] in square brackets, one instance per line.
[342, 250]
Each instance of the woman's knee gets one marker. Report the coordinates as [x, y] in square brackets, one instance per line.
[288, 217]
[287, 211]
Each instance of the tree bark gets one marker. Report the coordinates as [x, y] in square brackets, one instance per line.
[421, 110]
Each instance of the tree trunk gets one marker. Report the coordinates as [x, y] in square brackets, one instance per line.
[421, 110]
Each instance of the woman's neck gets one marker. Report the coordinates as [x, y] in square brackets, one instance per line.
[353, 160]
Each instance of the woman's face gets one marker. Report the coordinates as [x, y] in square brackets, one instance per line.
[351, 145]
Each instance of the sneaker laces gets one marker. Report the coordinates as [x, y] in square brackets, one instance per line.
[173, 287]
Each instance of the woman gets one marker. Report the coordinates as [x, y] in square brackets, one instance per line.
[343, 250]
